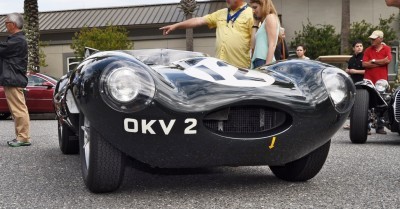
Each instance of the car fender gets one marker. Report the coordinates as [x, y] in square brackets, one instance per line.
[376, 98]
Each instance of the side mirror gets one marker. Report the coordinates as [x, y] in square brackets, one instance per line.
[48, 84]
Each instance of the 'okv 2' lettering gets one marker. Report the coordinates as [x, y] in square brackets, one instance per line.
[132, 125]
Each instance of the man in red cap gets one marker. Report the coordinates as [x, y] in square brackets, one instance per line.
[376, 58]
[375, 61]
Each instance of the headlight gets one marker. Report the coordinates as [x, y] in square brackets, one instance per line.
[127, 86]
[381, 86]
[340, 88]
[122, 86]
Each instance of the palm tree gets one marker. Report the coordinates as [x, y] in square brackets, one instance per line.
[345, 33]
[188, 7]
[31, 29]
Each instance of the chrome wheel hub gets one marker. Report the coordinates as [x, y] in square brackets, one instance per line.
[86, 141]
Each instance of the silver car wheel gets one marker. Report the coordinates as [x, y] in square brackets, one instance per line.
[86, 142]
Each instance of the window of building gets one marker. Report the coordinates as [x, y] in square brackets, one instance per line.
[72, 63]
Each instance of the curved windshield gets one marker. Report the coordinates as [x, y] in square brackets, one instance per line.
[162, 56]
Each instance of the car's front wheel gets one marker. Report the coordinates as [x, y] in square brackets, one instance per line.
[103, 165]
[67, 139]
[359, 117]
[304, 168]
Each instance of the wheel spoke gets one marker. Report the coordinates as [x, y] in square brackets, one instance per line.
[86, 141]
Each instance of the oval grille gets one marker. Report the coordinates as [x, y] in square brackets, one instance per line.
[245, 119]
[397, 106]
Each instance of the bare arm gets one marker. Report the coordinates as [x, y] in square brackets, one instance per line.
[369, 64]
[253, 41]
[253, 36]
[271, 25]
[393, 3]
[354, 71]
[378, 63]
[190, 23]
[382, 62]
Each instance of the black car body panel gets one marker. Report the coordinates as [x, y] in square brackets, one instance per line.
[194, 122]
[386, 104]
[393, 113]
[376, 97]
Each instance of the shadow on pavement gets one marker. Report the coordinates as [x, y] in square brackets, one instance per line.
[42, 116]
[139, 177]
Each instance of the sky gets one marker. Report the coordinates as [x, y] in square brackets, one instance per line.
[8, 6]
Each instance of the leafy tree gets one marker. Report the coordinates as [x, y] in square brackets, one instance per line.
[319, 40]
[42, 54]
[31, 29]
[362, 30]
[322, 39]
[108, 38]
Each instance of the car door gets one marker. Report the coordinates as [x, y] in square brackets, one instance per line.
[39, 97]
[3, 102]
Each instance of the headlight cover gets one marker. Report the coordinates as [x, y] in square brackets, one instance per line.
[381, 85]
[340, 88]
[127, 86]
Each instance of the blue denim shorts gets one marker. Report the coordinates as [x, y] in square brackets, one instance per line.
[258, 62]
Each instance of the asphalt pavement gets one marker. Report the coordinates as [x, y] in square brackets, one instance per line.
[354, 176]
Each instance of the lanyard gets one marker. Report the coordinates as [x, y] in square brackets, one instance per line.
[235, 16]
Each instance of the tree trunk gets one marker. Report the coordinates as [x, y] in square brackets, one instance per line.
[188, 8]
[189, 35]
[31, 29]
[345, 32]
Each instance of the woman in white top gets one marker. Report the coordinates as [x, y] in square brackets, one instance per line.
[301, 52]
[265, 37]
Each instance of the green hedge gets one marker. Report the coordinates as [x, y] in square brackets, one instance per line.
[108, 38]
[323, 39]
[318, 39]
[362, 30]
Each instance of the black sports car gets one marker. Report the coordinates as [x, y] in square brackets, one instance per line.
[178, 109]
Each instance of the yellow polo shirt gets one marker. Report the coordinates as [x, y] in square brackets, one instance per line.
[233, 40]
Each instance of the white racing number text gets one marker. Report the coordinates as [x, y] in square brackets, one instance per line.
[132, 125]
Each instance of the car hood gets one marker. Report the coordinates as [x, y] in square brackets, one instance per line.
[205, 83]
[194, 82]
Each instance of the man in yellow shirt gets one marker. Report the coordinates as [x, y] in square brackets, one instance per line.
[234, 27]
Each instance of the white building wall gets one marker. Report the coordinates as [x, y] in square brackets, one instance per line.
[294, 14]
[54, 59]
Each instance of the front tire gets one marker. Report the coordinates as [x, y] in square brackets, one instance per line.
[103, 166]
[67, 140]
[304, 168]
[359, 117]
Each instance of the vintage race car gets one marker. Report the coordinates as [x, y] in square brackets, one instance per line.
[374, 103]
[178, 109]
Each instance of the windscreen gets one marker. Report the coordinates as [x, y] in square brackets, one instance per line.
[162, 56]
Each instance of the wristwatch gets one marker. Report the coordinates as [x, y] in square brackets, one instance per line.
[373, 61]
